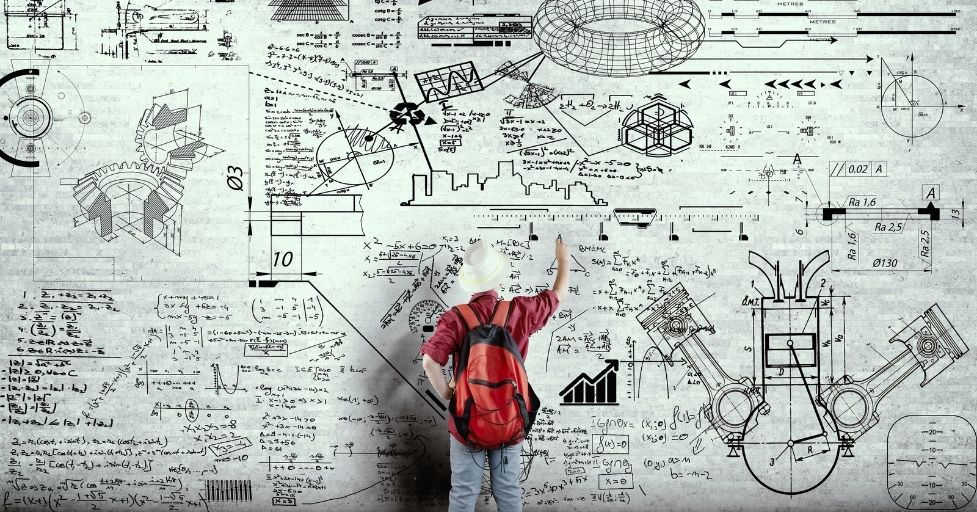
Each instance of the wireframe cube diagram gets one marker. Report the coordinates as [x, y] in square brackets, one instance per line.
[657, 129]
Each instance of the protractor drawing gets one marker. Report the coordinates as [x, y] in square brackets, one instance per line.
[354, 156]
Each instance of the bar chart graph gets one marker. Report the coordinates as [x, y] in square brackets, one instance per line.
[598, 390]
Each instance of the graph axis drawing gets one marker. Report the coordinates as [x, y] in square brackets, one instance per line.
[677, 29]
[449, 81]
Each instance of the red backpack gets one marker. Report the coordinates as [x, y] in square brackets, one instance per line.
[490, 407]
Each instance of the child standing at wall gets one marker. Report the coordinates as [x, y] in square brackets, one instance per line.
[491, 403]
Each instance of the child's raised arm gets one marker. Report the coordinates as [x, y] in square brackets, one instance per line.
[562, 281]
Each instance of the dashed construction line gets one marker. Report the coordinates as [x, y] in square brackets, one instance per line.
[344, 98]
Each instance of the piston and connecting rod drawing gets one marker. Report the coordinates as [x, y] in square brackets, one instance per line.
[794, 421]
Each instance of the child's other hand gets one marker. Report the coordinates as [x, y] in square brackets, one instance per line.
[451, 389]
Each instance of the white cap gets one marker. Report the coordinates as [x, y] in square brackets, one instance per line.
[483, 267]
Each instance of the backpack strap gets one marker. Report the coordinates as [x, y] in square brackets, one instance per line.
[469, 316]
[501, 314]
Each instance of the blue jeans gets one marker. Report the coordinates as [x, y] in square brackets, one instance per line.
[468, 468]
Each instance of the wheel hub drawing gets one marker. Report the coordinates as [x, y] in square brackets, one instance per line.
[30, 117]
[45, 123]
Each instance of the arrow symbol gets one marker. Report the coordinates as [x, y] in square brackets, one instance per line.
[685, 84]
[836, 83]
[725, 84]
[771, 84]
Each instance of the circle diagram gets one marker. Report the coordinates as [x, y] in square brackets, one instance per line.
[912, 105]
[575, 34]
[354, 156]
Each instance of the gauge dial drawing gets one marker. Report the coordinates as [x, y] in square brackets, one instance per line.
[932, 462]
[424, 315]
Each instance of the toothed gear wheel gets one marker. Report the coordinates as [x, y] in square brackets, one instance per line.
[135, 190]
[162, 139]
[145, 131]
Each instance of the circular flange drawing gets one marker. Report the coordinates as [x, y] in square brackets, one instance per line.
[569, 32]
